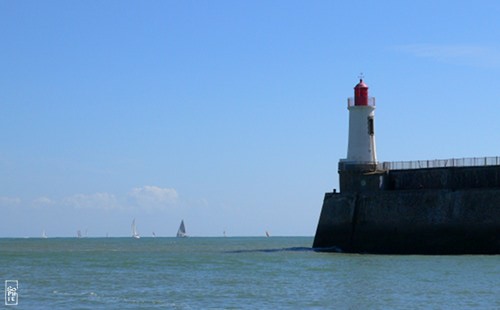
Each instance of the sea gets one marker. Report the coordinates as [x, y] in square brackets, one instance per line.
[236, 273]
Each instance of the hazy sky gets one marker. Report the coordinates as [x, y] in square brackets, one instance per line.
[230, 115]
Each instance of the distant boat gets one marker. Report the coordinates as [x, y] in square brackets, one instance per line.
[44, 235]
[154, 235]
[181, 233]
[135, 234]
[79, 234]
[267, 234]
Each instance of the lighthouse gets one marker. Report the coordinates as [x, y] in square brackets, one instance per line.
[361, 148]
[432, 207]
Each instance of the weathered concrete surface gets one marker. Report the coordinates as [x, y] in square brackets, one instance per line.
[417, 221]
[454, 178]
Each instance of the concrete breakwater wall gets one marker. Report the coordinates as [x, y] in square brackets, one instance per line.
[453, 178]
[428, 211]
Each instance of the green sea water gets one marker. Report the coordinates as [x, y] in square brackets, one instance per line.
[238, 273]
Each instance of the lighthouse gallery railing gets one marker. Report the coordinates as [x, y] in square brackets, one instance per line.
[351, 101]
[442, 163]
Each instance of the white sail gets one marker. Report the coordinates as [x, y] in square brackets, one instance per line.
[44, 235]
[135, 234]
[182, 230]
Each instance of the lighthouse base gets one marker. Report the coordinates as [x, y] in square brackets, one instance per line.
[451, 218]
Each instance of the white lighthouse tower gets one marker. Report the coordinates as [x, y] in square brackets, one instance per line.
[361, 149]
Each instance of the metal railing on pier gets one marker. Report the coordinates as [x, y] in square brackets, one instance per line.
[442, 163]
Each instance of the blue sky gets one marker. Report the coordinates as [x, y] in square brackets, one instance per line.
[230, 115]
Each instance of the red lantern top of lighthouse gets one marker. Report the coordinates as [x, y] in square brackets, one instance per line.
[361, 93]
[361, 84]
[361, 96]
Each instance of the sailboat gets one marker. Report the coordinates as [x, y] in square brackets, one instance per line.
[135, 234]
[44, 235]
[267, 234]
[79, 234]
[181, 233]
